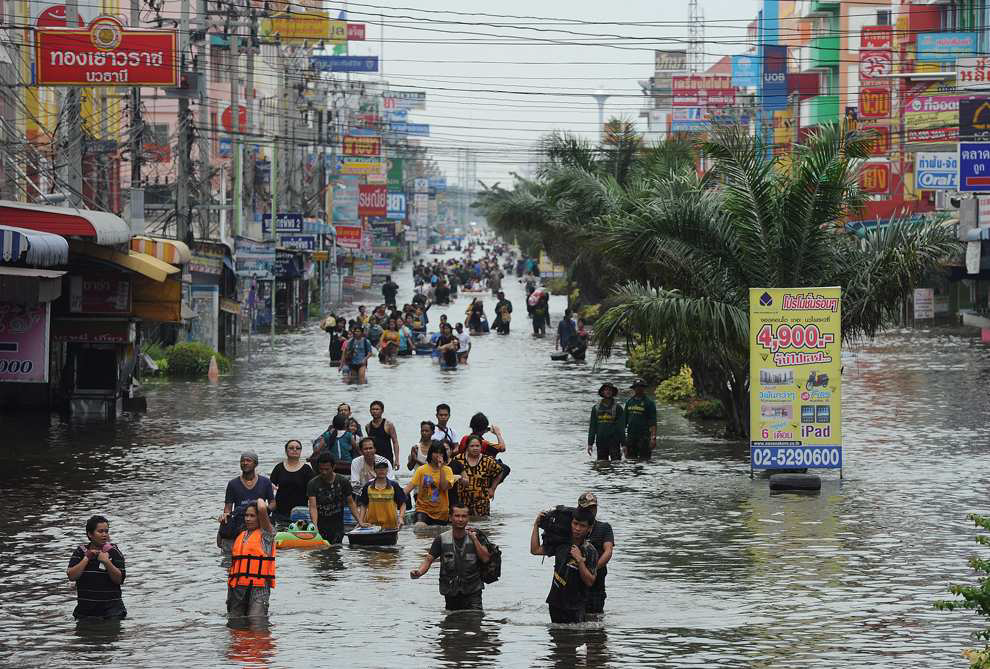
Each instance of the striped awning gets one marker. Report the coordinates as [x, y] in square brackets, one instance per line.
[171, 251]
[41, 249]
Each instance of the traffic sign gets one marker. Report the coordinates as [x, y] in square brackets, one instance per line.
[974, 167]
[284, 223]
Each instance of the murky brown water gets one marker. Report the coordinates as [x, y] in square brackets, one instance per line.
[709, 569]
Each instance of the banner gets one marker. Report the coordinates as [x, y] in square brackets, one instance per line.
[105, 54]
[936, 171]
[795, 383]
[774, 80]
[349, 236]
[24, 342]
[945, 47]
[372, 201]
[361, 146]
[702, 90]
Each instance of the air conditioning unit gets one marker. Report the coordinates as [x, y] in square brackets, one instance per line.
[946, 200]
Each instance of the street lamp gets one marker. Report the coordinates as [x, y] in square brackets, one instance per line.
[600, 97]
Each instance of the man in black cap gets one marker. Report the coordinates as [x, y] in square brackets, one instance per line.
[603, 540]
[641, 422]
[608, 425]
[240, 492]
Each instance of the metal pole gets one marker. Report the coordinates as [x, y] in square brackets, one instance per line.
[249, 103]
[235, 125]
[182, 178]
[273, 221]
[203, 121]
[73, 123]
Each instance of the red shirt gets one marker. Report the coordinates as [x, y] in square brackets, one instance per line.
[487, 447]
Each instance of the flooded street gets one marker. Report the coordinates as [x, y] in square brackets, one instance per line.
[709, 569]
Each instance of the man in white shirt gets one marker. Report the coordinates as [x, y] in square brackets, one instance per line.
[465, 343]
[363, 466]
[442, 431]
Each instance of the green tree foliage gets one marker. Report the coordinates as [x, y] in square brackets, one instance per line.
[975, 598]
[650, 362]
[192, 360]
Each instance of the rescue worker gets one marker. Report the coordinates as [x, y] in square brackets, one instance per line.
[574, 569]
[251, 576]
[607, 425]
[461, 550]
[641, 422]
[602, 538]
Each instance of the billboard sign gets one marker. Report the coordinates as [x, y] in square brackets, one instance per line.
[106, 54]
[874, 178]
[395, 177]
[405, 100]
[945, 47]
[344, 63]
[876, 37]
[974, 167]
[24, 332]
[301, 26]
[292, 222]
[795, 377]
[936, 170]
[396, 206]
[774, 80]
[357, 145]
[372, 201]
[974, 120]
[669, 61]
[361, 167]
[874, 102]
[745, 71]
[254, 258]
[355, 32]
[349, 236]
[973, 73]
[704, 90]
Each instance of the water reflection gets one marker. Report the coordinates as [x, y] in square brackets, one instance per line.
[583, 645]
[99, 634]
[251, 643]
[467, 638]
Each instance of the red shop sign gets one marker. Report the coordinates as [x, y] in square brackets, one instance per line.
[99, 294]
[227, 118]
[372, 201]
[105, 54]
[362, 146]
[874, 102]
[880, 146]
[875, 178]
[355, 32]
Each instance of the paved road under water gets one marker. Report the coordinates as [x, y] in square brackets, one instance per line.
[709, 569]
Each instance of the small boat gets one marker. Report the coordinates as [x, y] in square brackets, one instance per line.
[300, 534]
[558, 356]
[372, 536]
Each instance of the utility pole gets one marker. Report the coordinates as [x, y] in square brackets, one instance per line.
[73, 123]
[203, 122]
[137, 143]
[249, 103]
[182, 178]
[234, 40]
[272, 228]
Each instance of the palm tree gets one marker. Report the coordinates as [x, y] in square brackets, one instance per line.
[698, 245]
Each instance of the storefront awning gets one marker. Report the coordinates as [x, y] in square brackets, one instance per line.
[99, 226]
[171, 251]
[41, 249]
[143, 264]
[28, 285]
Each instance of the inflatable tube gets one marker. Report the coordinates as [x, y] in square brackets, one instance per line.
[372, 536]
[300, 534]
[558, 356]
[782, 482]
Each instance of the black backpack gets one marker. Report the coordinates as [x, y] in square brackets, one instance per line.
[556, 526]
[491, 571]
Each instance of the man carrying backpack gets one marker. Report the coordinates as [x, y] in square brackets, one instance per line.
[466, 558]
[602, 538]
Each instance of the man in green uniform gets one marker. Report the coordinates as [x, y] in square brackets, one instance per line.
[607, 427]
[641, 422]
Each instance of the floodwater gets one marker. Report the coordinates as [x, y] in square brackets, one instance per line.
[709, 568]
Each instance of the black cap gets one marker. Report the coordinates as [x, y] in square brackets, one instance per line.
[607, 384]
[639, 383]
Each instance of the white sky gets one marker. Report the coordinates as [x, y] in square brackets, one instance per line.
[503, 127]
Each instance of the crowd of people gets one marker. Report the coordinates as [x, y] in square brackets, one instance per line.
[355, 469]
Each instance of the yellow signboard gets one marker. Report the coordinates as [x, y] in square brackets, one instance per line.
[362, 167]
[298, 27]
[794, 378]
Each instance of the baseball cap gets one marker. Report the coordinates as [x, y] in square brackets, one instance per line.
[250, 455]
[587, 499]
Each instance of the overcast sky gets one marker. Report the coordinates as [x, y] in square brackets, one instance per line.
[498, 94]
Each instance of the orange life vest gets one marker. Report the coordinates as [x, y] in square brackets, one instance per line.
[250, 565]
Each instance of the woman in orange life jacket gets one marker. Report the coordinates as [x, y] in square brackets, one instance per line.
[252, 569]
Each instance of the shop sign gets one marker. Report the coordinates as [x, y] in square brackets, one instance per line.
[105, 54]
[974, 120]
[287, 265]
[362, 146]
[875, 64]
[382, 266]
[99, 294]
[669, 61]
[973, 73]
[321, 256]
[881, 139]
[372, 201]
[931, 111]
[344, 63]
[355, 32]
[284, 223]
[94, 331]
[701, 90]
[945, 47]
[395, 177]
[875, 178]
[924, 304]
[361, 167]
[795, 377]
[206, 259]
[301, 26]
[254, 258]
[876, 37]
[974, 167]
[396, 206]
[874, 102]
[745, 71]
[936, 170]
[349, 236]
[301, 242]
[774, 88]
[408, 100]
[24, 342]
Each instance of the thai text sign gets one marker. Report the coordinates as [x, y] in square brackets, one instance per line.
[774, 80]
[24, 342]
[974, 167]
[974, 120]
[669, 61]
[944, 47]
[699, 90]
[795, 383]
[283, 223]
[99, 294]
[362, 146]
[875, 178]
[973, 73]
[105, 54]
[874, 102]
[372, 201]
[344, 63]
[936, 170]
[876, 37]
[349, 236]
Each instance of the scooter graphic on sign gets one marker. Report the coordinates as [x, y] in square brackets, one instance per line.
[816, 380]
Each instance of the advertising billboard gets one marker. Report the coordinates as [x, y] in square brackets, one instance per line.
[874, 178]
[105, 54]
[974, 120]
[396, 206]
[372, 201]
[349, 236]
[774, 91]
[357, 145]
[795, 377]
[704, 90]
[936, 170]
[745, 71]
[945, 47]
[407, 100]
[24, 342]
[669, 61]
